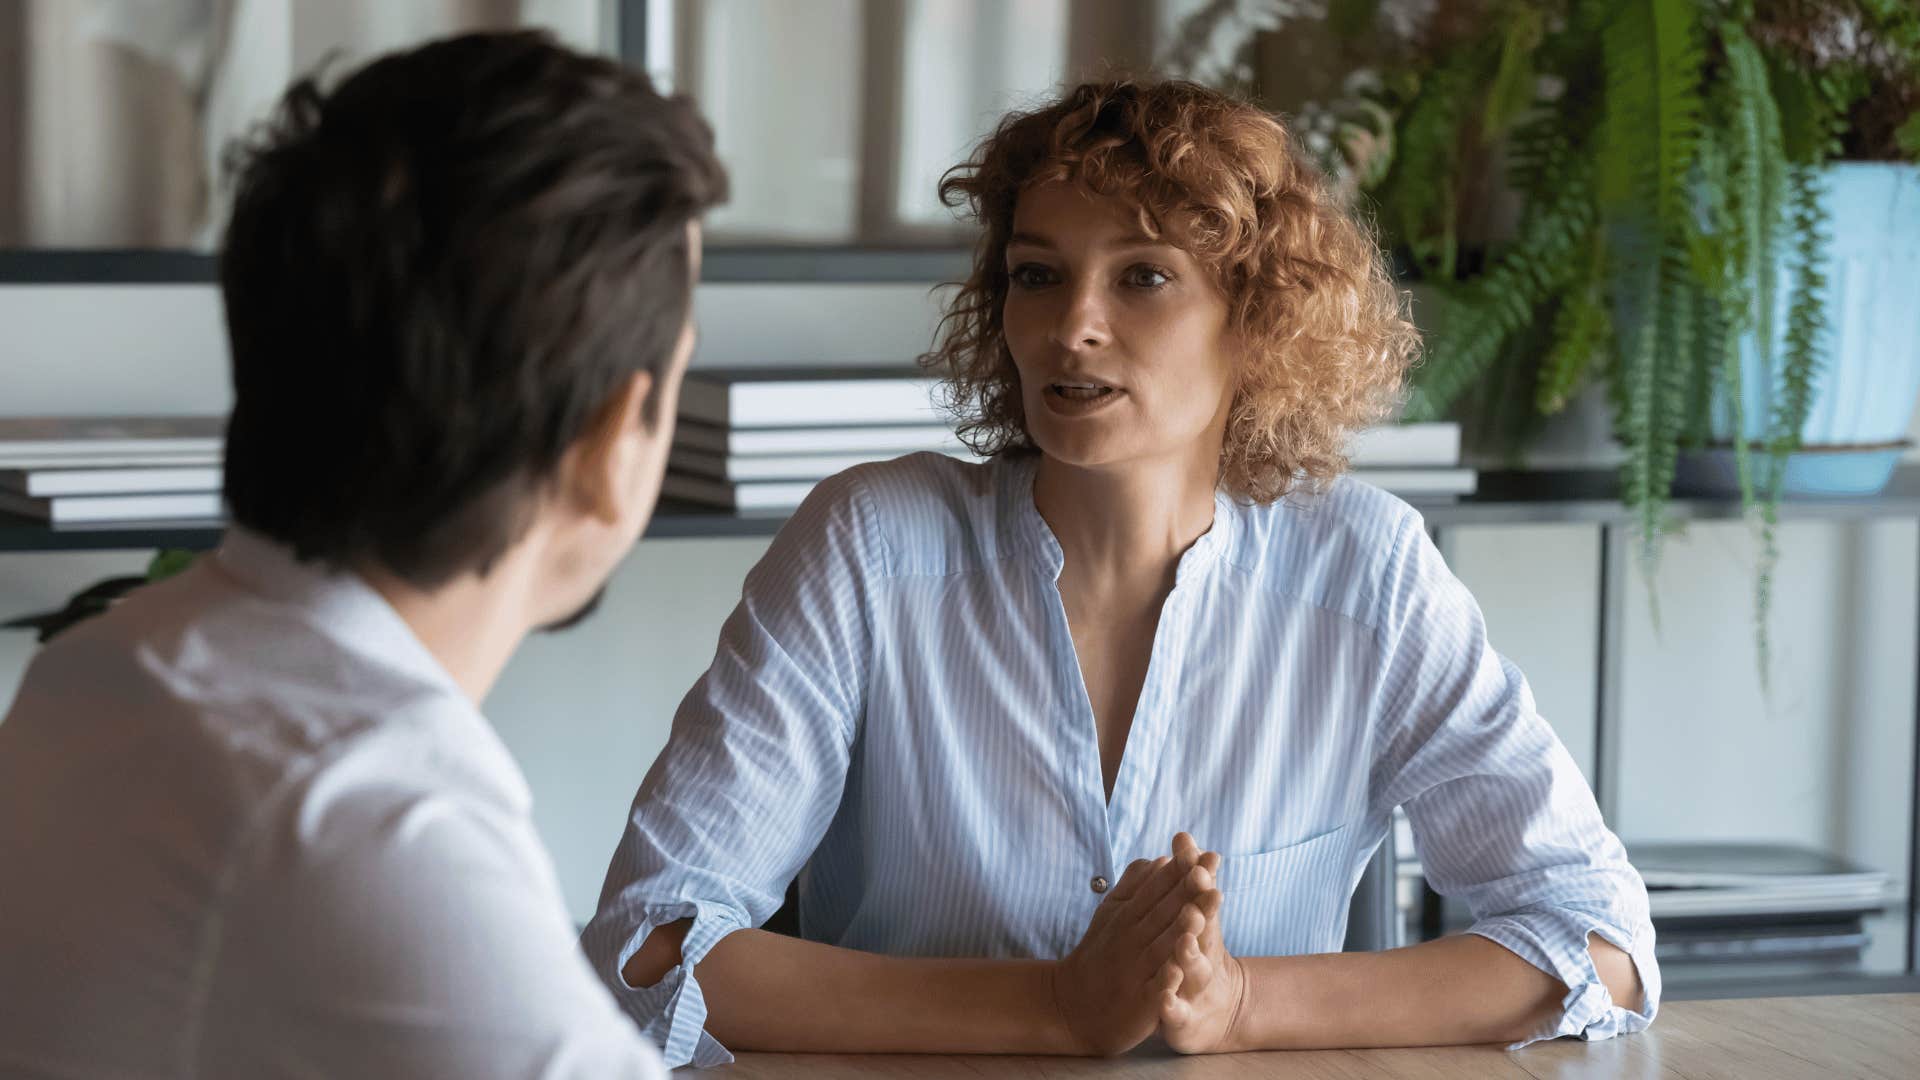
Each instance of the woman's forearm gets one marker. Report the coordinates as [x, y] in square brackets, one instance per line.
[1460, 989]
[765, 991]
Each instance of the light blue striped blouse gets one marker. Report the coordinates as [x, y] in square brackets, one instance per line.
[895, 708]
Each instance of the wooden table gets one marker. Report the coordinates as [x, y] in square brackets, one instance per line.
[1753, 1039]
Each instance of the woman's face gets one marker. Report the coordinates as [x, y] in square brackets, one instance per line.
[1121, 341]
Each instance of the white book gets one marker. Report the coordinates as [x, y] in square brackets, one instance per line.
[49, 482]
[71, 509]
[770, 495]
[1420, 483]
[1677, 903]
[111, 434]
[783, 467]
[111, 460]
[1401, 445]
[1738, 864]
[892, 438]
[787, 494]
[803, 397]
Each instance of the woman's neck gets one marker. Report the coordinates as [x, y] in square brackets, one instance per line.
[1126, 526]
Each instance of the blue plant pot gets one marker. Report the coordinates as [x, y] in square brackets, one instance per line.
[1824, 470]
[1866, 387]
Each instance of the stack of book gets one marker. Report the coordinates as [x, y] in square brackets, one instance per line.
[1725, 911]
[73, 470]
[758, 440]
[1417, 462]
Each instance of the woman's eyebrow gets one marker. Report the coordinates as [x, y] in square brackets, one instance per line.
[1123, 243]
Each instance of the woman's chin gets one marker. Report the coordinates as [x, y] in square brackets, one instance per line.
[1082, 452]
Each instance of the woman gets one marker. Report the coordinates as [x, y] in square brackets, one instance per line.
[965, 697]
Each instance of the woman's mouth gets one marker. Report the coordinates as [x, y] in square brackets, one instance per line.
[1080, 398]
[1081, 391]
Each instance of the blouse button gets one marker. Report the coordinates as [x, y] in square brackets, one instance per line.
[1099, 884]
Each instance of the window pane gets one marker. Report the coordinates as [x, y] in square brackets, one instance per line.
[114, 117]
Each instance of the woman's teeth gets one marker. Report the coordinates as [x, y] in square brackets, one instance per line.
[1080, 391]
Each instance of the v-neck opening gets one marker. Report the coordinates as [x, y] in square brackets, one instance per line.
[1120, 811]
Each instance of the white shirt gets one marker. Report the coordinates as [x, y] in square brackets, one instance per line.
[897, 708]
[249, 827]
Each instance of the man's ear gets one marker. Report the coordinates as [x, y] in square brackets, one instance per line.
[597, 473]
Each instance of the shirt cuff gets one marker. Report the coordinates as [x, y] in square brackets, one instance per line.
[673, 1012]
[1555, 941]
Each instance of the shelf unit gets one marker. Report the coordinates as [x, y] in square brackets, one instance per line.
[1588, 497]
[1517, 497]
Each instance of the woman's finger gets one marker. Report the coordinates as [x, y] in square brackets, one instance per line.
[1174, 1010]
[1151, 921]
[1129, 883]
[1196, 971]
[1182, 921]
[1211, 903]
[1169, 978]
[1184, 847]
[1163, 879]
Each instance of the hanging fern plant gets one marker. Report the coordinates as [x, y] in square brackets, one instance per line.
[1665, 154]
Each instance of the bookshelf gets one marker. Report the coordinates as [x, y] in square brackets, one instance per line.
[1518, 497]
[1587, 497]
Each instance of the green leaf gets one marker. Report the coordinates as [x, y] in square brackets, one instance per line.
[168, 562]
[1511, 94]
[1649, 141]
[1420, 194]
[1580, 331]
[1907, 137]
[1806, 317]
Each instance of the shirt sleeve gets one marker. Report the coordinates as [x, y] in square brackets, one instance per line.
[754, 767]
[1501, 815]
[389, 930]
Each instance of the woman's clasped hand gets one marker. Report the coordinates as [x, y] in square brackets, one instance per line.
[1153, 959]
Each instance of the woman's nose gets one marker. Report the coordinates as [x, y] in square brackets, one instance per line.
[1082, 322]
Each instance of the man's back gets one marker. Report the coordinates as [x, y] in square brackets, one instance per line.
[246, 816]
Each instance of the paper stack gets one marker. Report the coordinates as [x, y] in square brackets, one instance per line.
[69, 470]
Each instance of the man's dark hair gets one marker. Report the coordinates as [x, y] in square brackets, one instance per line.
[435, 277]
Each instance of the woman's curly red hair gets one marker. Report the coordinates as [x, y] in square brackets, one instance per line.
[1328, 341]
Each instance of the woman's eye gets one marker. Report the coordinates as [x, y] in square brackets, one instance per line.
[1147, 277]
[1030, 276]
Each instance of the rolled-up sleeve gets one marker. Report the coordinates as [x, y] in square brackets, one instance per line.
[1501, 815]
[753, 770]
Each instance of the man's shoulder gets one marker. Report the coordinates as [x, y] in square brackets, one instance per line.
[241, 696]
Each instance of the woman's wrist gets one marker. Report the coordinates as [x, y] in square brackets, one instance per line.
[1062, 1034]
[1238, 1038]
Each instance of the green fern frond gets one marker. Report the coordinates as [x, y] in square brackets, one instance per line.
[1646, 157]
[1580, 331]
[1806, 317]
[1654, 109]
[1419, 192]
[1511, 95]
[1756, 190]
[1711, 335]
[1756, 187]
[1672, 360]
[1811, 112]
[1479, 316]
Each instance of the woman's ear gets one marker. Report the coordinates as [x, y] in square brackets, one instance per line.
[597, 473]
